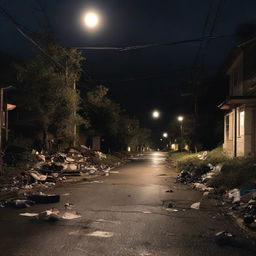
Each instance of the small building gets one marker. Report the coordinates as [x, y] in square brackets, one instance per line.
[240, 105]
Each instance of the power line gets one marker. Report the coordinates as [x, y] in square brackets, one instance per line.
[136, 47]
[29, 38]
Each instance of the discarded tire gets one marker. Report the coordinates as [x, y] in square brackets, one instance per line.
[44, 199]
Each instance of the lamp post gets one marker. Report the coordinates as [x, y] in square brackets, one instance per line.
[180, 119]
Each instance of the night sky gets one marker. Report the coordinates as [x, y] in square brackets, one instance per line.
[156, 76]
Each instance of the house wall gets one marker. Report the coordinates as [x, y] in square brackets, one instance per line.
[249, 131]
[245, 144]
[228, 140]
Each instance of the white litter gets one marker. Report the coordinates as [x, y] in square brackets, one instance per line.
[29, 214]
[195, 206]
[112, 172]
[235, 195]
[171, 210]
[70, 216]
[104, 234]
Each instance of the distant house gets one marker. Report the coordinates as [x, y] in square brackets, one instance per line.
[240, 106]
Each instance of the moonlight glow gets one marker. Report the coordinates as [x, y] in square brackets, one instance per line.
[91, 19]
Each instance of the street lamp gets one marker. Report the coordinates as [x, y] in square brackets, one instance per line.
[155, 114]
[180, 119]
[165, 135]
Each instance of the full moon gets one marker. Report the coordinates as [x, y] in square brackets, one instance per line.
[91, 19]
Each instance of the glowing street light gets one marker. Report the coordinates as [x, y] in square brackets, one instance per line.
[155, 114]
[91, 19]
[180, 118]
[165, 135]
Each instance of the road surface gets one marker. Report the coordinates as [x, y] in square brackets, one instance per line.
[124, 214]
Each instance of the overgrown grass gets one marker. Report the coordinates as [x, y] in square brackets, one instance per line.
[186, 160]
[235, 172]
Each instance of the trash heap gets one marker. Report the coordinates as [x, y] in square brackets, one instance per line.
[46, 170]
[240, 203]
[199, 176]
[243, 204]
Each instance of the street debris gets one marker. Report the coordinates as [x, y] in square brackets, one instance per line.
[195, 206]
[203, 156]
[68, 206]
[223, 238]
[42, 198]
[169, 191]
[146, 212]
[103, 234]
[171, 210]
[45, 170]
[53, 214]
[240, 202]
[19, 203]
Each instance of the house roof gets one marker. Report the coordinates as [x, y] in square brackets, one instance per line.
[236, 101]
[237, 50]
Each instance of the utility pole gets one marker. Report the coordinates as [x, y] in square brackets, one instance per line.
[2, 121]
[74, 126]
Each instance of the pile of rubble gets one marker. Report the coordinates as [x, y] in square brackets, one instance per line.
[241, 203]
[47, 170]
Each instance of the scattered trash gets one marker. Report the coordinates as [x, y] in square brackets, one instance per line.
[195, 206]
[146, 212]
[29, 214]
[223, 238]
[70, 216]
[45, 170]
[113, 172]
[171, 210]
[203, 156]
[68, 206]
[235, 195]
[19, 203]
[104, 234]
[49, 215]
[53, 214]
[37, 176]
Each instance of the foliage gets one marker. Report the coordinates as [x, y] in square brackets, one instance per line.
[46, 95]
[109, 121]
[104, 114]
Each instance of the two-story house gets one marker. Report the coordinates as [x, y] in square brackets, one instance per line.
[240, 106]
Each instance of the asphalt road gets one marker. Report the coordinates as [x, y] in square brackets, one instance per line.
[124, 215]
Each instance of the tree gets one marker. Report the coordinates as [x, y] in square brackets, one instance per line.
[46, 94]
